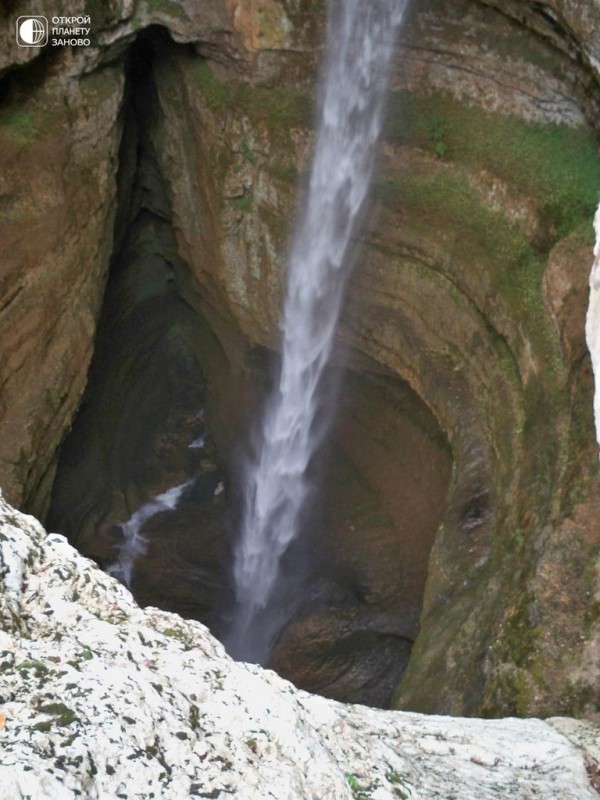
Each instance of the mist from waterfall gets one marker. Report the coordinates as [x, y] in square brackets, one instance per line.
[592, 323]
[359, 48]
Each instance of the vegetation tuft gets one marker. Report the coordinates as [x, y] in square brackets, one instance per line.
[556, 164]
[281, 109]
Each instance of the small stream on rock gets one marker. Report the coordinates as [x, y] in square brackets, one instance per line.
[278, 486]
[134, 543]
[157, 491]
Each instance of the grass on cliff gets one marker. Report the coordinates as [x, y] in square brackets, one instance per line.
[557, 165]
[281, 109]
[482, 244]
[164, 5]
[448, 202]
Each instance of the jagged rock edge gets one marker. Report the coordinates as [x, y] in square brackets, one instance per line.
[103, 698]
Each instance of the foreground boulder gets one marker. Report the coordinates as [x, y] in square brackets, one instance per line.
[101, 699]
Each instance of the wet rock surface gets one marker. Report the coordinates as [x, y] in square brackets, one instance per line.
[59, 141]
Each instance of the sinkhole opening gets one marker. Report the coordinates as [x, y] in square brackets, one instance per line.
[147, 479]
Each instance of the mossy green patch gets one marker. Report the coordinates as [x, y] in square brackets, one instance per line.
[556, 164]
[399, 783]
[19, 124]
[447, 200]
[476, 237]
[577, 698]
[43, 727]
[194, 718]
[39, 666]
[248, 155]
[356, 787]
[273, 25]
[511, 690]
[520, 633]
[175, 633]
[219, 96]
[511, 686]
[283, 172]
[63, 715]
[279, 109]
[243, 203]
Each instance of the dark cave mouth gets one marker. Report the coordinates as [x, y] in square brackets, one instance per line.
[153, 420]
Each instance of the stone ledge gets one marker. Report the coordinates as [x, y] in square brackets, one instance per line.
[104, 699]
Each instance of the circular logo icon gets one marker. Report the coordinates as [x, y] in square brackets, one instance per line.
[32, 31]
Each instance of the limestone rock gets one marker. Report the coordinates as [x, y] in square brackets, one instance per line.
[593, 319]
[101, 699]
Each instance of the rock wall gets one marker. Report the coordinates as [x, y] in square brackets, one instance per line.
[59, 135]
[470, 287]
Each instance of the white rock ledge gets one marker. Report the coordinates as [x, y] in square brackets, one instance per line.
[100, 699]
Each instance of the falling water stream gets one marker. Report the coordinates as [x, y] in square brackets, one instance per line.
[360, 44]
[134, 542]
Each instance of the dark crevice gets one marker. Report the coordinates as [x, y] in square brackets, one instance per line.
[20, 81]
[138, 429]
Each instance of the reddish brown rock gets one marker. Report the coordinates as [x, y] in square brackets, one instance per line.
[59, 157]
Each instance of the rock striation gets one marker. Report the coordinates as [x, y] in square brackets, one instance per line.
[102, 699]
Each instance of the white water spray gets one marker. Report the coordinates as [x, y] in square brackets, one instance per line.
[360, 44]
[134, 543]
[592, 323]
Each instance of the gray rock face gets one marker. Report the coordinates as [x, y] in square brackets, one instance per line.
[101, 699]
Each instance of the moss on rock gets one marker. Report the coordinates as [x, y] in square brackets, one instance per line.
[280, 109]
[555, 163]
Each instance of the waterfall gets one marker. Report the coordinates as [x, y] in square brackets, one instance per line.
[359, 49]
[592, 323]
